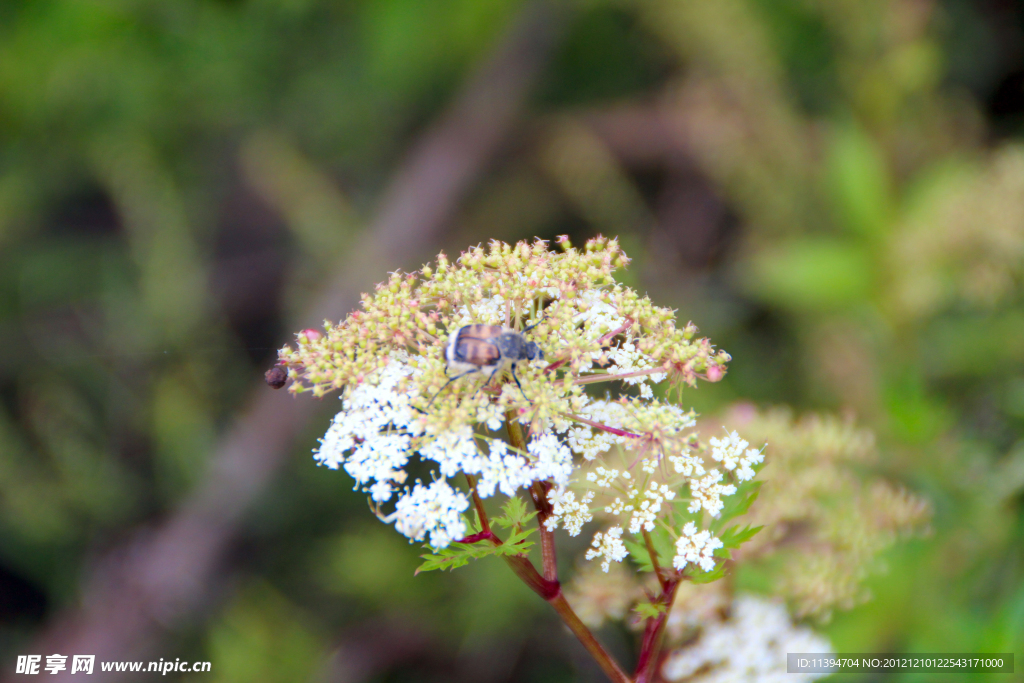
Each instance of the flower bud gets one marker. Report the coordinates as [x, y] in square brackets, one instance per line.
[309, 335]
[715, 373]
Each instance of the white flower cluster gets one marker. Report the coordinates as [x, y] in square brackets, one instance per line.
[435, 509]
[608, 545]
[567, 510]
[629, 359]
[649, 507]
[590, 442]
[707, 493]
[697, 547]
[377, 432]
[374, 428]
[729, 451]
[750, 646]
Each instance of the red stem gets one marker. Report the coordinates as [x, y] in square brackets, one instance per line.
[547, 586]
[485, 523]
[602, 427]
[650, 647]
[611, 335]
[654, 560]
[609, 376]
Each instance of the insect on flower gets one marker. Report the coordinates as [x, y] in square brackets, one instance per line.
[487, 348]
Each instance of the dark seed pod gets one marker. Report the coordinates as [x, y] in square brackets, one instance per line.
[276, 377]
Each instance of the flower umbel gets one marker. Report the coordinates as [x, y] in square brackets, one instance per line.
[429, 371]
[388, 360]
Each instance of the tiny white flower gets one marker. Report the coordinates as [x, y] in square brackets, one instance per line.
[697, 547]
[572, 514]
[707, 493]
[687, 464]
[435, 510]
[745, 471]
[552, 459]
[608, 546]
[729, 450]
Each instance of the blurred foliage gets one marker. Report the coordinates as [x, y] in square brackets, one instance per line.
[832, 189]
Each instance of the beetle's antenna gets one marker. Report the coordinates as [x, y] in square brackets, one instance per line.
[527, 329]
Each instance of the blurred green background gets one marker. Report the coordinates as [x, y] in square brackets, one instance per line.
[832, 190]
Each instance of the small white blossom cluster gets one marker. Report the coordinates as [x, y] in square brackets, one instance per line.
[730, 452]
[608, 545]
[435, 509]
[697, 547]
[598, 318]
[377, 432]
[750, 646]
[707, 493]
[567, 510]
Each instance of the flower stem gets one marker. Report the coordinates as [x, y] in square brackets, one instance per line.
[650, 647]
[485, 523]
[591, 379]
[551, 591]
[654, 559]
[547, 586]
[602, 427]
[614, 333]
[539, 491]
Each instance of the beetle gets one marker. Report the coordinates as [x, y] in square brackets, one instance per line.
[487, 348]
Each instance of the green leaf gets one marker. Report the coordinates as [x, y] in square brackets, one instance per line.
[737, 504]
[735, 536]
[649, 610]
[459, 554]
[860, 182]
[812, 274]
[514, 513]
[664, 546]
[697, 575]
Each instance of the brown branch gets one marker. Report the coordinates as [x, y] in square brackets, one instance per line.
[163, 576]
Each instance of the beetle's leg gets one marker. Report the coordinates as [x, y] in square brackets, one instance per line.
[489, 378]
[518, 384]
[467, 372]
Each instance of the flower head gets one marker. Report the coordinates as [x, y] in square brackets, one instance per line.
[697, 547]
[632, 456]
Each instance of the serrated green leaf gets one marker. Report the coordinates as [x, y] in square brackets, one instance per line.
[514, 513]
[735, 536]
[454, 556]
[638, 551]
[459, 554]
[664, 546]
[649, 610]
[737, 504]
[700, 576]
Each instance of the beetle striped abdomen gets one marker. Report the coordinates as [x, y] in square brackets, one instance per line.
[477, 352]
[484, 332]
